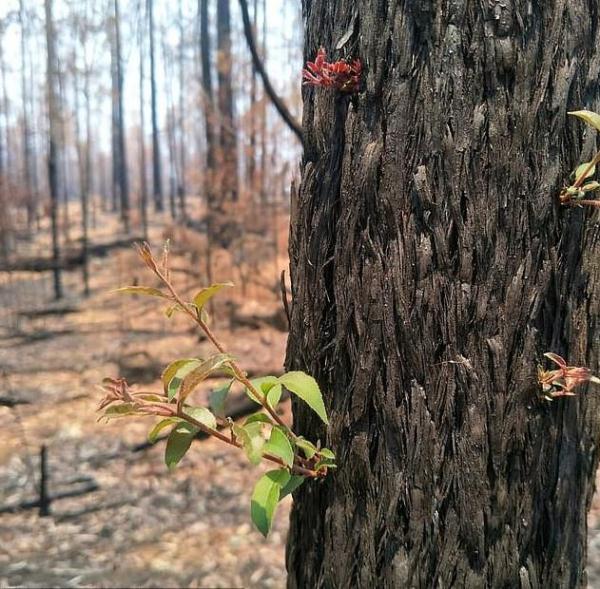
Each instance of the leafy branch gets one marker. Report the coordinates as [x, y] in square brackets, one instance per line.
[263, 436]
[576, 194]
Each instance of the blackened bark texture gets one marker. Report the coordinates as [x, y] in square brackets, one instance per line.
[432, 267]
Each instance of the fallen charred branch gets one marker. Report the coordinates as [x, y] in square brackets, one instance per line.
[69, 260]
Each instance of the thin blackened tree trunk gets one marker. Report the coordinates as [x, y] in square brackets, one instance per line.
[181, 185]
[54, 133]
[143, 172]
[156, 165]
[228, 171]
[123, 179]
[209, 127]
[28, 162]
[431, 268]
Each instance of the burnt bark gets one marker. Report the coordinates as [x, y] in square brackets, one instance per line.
[432, 266]
[156, 164]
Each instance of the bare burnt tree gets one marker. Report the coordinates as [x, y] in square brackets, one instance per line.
[28, 157]
[121, 180]
[209, 127]
[143, 171]
[54, 134]
[432, 266]
[228, 172]
[156, 163]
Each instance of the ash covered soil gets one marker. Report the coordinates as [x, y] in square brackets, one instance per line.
[144, 526]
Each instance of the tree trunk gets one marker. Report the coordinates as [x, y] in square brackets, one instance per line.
[28, 162]
[209, 127]
[228, 171]
[156, 171]
[143, 175]
[432, 266]
[54, 132]
[123, 179]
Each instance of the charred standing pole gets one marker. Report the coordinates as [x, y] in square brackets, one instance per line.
[44, 500]
[432, 267]
[54, 133]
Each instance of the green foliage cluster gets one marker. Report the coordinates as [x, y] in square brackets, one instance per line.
[262, 436]
[583, 185]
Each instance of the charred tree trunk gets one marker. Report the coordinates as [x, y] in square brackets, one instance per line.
[123, 178]
[28, 161]
[228, 171]
[432, 266]
[209, 126]
[54, 133]
[156, 165]
[143, 172]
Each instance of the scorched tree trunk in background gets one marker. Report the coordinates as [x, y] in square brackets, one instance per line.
[432, 267]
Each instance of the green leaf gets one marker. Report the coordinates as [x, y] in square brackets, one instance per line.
[279, 445]
[581, 170]
[142, 290]
[265, 498]
[307, 447]
[589, 117]
[590, 186]
[305, 387]
[174, 373]
[262, 417]
[269, 386]
[294, 482]
[162, 424]
[198, 374]
[326, 453]
[218, 397]
[207, 293]
[121, 410]
[201, 414]
[178, 443]
[250, 436]
[324, 463]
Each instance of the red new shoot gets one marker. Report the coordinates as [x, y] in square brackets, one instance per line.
[562, 382]
[341, 75]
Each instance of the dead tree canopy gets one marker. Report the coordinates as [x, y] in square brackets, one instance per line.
[432, 266]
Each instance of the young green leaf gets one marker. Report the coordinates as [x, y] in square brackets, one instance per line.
[141, 290]
[250, 436]
[305, 387]
[327, 453]
[591, 118]
[207, 293]
[269, 386]
[265, 498]
[201, 414]
[590, 186]
[279, 445]
[174, 373]
[294, 482]
[121, 410]
[162, 424]
[178, 443]
[198, 374]
[583, 173]
[307, 447]
[262, 417]
[218, 397]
